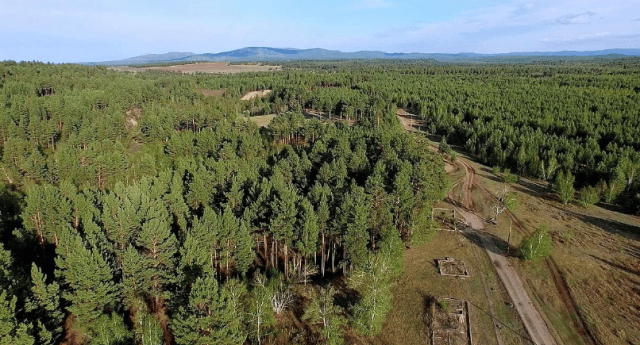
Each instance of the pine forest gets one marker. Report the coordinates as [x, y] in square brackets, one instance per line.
[150, 208]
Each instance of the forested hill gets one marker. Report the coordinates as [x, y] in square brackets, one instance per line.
[289, 54]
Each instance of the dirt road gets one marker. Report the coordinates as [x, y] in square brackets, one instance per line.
[532, 320]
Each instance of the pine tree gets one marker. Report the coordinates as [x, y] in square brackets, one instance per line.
[283, 220]
[45, 307]
[209, 318]
[237, 243]
[175, 201]
[158, 248]
[308, 230]
[403, 199]
[12, 332]
[111, 330]
[321, 194]
[381, 213]
[200, 250]
[46, 213]
[88, 281]
[355, 215]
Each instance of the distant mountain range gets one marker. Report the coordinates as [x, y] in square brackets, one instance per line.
[283, 54]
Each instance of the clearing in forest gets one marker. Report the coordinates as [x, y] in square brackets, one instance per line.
[263, 120]
[589, 289]
[255, 94]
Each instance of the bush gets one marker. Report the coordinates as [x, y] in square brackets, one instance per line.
[495, 170]
[589, 196]
[510, 178]
[564, 186]
[537, 246]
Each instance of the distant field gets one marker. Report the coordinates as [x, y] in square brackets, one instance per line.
[204, 67]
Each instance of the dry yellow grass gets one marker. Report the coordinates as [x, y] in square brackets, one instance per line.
[407, 323]
[597, 252]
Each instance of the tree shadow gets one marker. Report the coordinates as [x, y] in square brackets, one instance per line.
[501, 324]
[633, 251]
[428, 303]
[612, 207]
[478, 237]
[491, 177]
[455, 203]
[546, 195]
[610, 225]
[614, 265]
[534, 187]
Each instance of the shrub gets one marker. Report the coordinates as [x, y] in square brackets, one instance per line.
[564, 186]
[510, 178]
[589, 196]
[537, 246]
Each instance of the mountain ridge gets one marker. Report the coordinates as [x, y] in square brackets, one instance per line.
[250, 54]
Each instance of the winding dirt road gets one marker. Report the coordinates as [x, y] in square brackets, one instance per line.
[533, 321]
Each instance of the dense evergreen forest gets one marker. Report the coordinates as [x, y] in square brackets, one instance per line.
[137, 210]
[147, 209]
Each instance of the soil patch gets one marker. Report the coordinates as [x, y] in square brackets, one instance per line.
[133, 114]
[255, 94]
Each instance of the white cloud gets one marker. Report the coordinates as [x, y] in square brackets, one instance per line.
[582, 18]
[533, 25]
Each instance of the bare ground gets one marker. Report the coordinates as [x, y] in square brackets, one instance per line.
[255, 94]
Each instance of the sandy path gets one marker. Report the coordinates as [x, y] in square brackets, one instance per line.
[533, 321]
[255, 94]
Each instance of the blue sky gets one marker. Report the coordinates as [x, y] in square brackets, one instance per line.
[76, 31]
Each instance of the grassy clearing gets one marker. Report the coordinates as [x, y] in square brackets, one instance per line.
[262, 121]
[598, 253]
[421, 283]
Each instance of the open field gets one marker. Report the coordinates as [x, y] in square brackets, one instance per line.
[421, 285]
[590, 289]
[262, 121]
[202, 67]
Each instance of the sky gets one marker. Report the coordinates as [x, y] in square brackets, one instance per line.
[88, 31]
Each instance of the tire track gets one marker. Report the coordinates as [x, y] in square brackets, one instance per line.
[558, 278]
[560, 283]
[532, 319]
